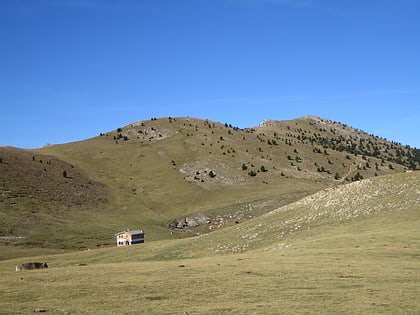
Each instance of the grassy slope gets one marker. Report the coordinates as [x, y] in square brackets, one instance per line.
[353, 249]
[161, 173]
[37, 201]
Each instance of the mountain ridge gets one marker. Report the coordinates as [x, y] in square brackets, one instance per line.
[148, 173]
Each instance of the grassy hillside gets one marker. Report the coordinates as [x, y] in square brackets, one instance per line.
[314, 218]
[350, 249]
[149, 173]
[42, 198]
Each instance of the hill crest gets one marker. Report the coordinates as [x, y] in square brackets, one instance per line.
[156, 171]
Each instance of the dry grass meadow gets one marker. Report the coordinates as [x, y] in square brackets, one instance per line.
[334, 263]
[293, 229]
[307, 278]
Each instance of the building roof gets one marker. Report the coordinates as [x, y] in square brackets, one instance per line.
[131, 232]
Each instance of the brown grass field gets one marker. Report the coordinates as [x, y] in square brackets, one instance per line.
[351, 249]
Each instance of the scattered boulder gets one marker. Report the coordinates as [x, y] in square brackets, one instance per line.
[193, 221]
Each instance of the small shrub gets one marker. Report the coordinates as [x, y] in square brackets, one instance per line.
[252, 173]
[357, 177]
[321, 169]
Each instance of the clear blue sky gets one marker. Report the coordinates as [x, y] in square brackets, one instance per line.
[70, 69]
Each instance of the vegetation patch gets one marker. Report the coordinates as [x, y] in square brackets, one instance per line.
[148, 173]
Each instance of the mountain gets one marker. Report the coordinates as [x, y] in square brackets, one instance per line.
[151, 174]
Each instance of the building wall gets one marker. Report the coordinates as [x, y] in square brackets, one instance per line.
[128, 239]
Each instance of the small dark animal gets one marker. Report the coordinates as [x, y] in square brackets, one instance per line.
[31, 265]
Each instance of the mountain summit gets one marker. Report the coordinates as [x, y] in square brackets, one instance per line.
[149, 173]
